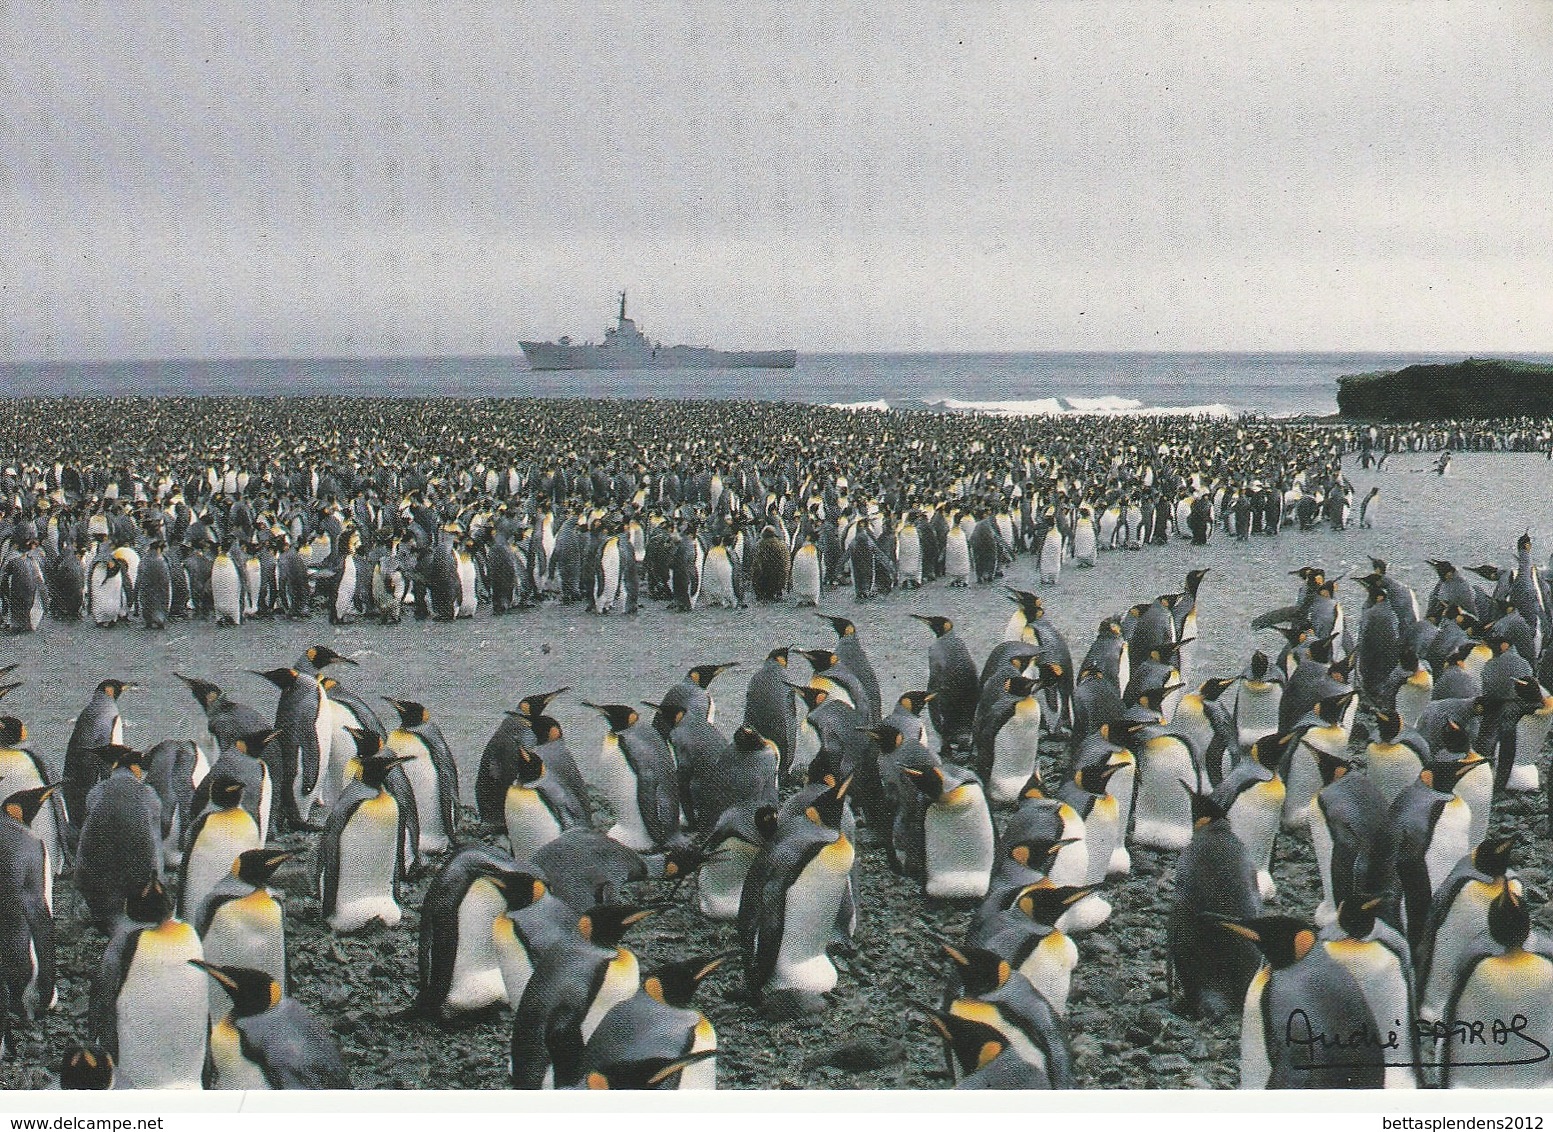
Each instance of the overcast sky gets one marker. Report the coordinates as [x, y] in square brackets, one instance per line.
[254, 179]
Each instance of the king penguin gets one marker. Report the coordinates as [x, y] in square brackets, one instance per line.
[242, 924]
[432, 773]
[1214, 878]
[267, 1040]
[361, 855]
[26, 912]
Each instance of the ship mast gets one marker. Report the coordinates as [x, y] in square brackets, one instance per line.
[622, 307]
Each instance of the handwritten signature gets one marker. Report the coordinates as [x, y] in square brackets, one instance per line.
[1510, 1037]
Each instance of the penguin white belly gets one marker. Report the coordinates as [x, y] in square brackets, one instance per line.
[1191, 724]
[1051, 558]
[423, 781]
[1256, 1068]
[162, 1012]
[1163, 818]
[342, 745]
[1450, 841]
[1530, 735]
[1014, 751]
[530, 824]
[368, 853]
[957, 558]
[622, 979]
[720, 882]
[233, 1069]
[107, 596]
[512, 958]
[1102, 835]
[1110, 519]
[1505, 989]
[18, 772]
[619, 787]
[1071, 865]
[1049, 967]
[1476, 789]
[1384, 987]
[468, 600]
[812, 901]
[717, 580]
[35, 614]
[345, 595]
[251, 582]
[1256, 710]
[226, 592]
[805, 749]
[703, 1074]
[959, 844]
[246, 932]
[1463, 930]
[224, 835]
[806, 575]
[1321, 846]
[609, 580]
[1305, 776]
[1392, 767]
[1123, 786]
[477, 975]
[323, 734]
[1413, 696]
[908, 558]
[1084, 544]
[1255, 817]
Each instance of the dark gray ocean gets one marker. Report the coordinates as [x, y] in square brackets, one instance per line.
[1275, 384]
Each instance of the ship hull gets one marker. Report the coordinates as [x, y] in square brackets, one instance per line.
[554, 356]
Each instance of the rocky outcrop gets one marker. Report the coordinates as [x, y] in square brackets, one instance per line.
[1471, 388]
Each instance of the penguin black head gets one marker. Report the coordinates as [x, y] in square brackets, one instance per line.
[1331, 767]
[843, 627]
[1492, 856]
[12, 731]
[1443, 568]
[257, 866]
[702, 675]
[1330, 709]
[821, 660]
[535, 705]
[25, 804]
[605, 925]
[915, 701]
[1357, 914]
[1455, 738]
[929, 780]
[205, 693]
[766, 822]
[939, 625]
[86, 1067]
[779, 655]
[1154, 698]
[375, 767]
[1045, 904]
[531, 768]
[1212, 689]
[747, 740]
[1388, 726]
[411, 714]
[812, 697]
[1259, 665]
[367, 743]
[282, 678]
[674, 984]
[8, 688]
[1509, 920]
[648, 1073]
[226, 792]
[1205, 808]
[150, 905]
[115, 688]
[886, 735]
[1038, 853]
[1096, 778]
[827, 809]
[321, 656]
[519, 888]
[981, 971]
[117, 755]
[253, 992]
[1021, 687]
[1194, 579]
[620, 717]
[1284, 940]
[1486, 572]
[973, 1044]
[1029, 604]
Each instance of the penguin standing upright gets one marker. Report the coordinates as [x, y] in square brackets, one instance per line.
[1214, 878]
[306, 730]
[267, 1040]
[958, 834]
[155, 596]
[21, 768]
[639, 779]
[120, 851]
[26, 912]
[148, 1005]
[1506, 986]
[805, 580]
[361, 855]
[226, 588]
[99, 725]
[241, 922]
[770, 708]
[658, 1024]
[433, 774]
[1377, 957]
[1350, 836]
[216, 839]
[952, 680]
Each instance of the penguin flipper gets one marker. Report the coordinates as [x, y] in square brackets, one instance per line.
[40, 927]
[1276, 616]
[447, 779]
[103, 1009]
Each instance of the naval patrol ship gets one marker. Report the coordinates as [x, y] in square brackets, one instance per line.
[626, 347]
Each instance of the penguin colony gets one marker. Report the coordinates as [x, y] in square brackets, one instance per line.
[1007, 791]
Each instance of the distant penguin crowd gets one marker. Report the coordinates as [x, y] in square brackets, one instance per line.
[1013, 788]
[231, 510]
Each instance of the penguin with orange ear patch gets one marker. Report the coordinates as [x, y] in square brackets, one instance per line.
[1297, 1007]
[269, 1041]
[996, 995]
[981, 1057]
[658, 1022]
